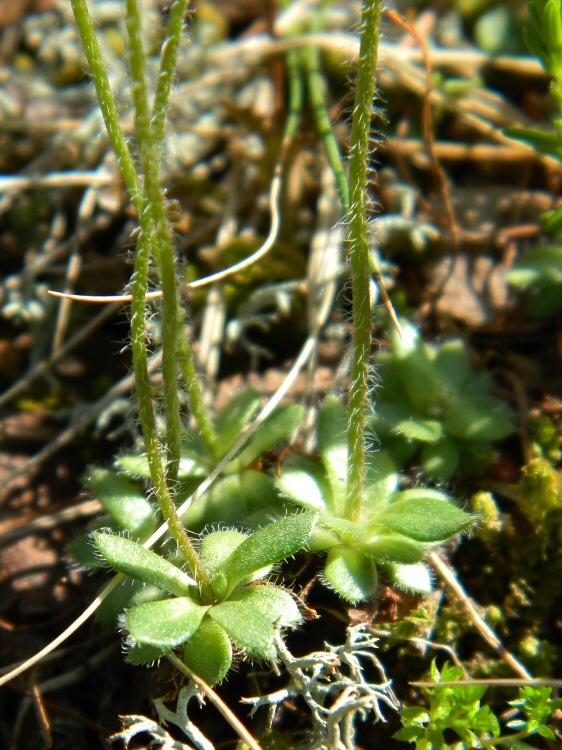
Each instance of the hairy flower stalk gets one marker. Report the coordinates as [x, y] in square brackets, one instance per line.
[359, 252]
[154, 240]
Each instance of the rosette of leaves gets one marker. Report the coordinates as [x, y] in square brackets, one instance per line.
[396, 528]
[242, 495]
[435, 408]
[171, 611]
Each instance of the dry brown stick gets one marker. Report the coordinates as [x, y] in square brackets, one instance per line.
[218, 702]
[483, 628]
[16, 183]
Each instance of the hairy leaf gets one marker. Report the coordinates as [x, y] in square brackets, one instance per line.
[142, 564]
[351, 573]
[124, 502]
[269, 545]
[165, 623]
[425, 520]
[479, 418]
[248, 628]
[332, 444]
[208, 652]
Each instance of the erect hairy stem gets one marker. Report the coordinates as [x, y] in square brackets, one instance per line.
[166, 72]
[154, 239]
[154, 219]
[107, 101]
[359, 253]
[155, 231]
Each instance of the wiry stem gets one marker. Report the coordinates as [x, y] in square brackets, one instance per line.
[154, 238]
[155, 229]
[154, 218]
[107, 101]
[359, 252]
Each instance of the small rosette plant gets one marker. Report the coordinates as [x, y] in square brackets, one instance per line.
[435, 408]
[242, 494]
[231, 611]
[396, 528]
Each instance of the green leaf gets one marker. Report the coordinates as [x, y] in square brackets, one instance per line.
[420, 493]
[134, 466]
[546, 732]
[453, 368]
[233, 418]
[304, 482]
[332, 443]
[479, 418]
[395, 548]
[548, 143]
[194, 461]
[142, 564]
[274, 603]
[248, 628]
[424, 430]
[387, 415]
[381, 481]
[276, 429]
[413, 577]
[417, 368]
[208, 652]
[143, 654]
[552, 31]
[540, 265]
[124, 501]
[166, 623]
[553, 219]
[440, 461]
[351, 573]
[250, 495]
[217, 547]
[269, 545]
[409, 734]
[425, 520]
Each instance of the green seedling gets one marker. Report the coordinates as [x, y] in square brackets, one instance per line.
[457, 710]
[396, 528]
[434, 407]
[233, 611]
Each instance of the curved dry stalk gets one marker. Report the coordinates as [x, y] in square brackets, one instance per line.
[483, 628]
[218, 702]
[274, 192]
[70, 630]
